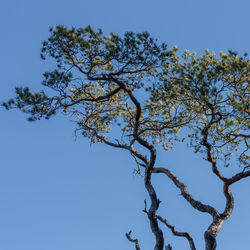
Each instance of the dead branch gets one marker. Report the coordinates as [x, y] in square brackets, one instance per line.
[137, 247]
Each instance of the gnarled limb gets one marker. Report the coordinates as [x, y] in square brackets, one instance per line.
[218, 218]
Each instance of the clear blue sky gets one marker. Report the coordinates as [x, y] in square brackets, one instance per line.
[60, 194]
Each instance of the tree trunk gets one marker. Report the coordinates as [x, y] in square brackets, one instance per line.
[212, 232]
[210, 241]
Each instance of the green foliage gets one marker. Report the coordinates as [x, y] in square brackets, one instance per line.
[98, 55]
[216, 91]
[89, 64]
[38, 105]
[97, 77]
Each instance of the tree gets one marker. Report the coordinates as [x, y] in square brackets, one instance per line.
[133, 93]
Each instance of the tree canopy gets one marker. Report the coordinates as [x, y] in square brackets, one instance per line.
[132, 93]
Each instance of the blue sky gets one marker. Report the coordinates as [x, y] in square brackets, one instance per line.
[58, 193]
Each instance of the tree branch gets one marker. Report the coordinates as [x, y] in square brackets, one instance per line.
[238, 177]
[137, 247]
[228, 194]
[176, 233]
[184, 192]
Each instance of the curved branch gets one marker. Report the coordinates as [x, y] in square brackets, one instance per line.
[138, 155]
[176, 233]
[238, 177]
[102, 139]
[229, 202]
[187, 196]
[228, 194]
[137, 247]
[208, 146]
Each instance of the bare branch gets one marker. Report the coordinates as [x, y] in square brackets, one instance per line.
[138, 155]
[102, 139]
[239, 176]
[184, 192]
[228, 194]
[137, 247]
[176, 233]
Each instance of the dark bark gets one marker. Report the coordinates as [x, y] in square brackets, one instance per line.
[210, 241]
[137, 246]
[186, 195]
[159, 245]
[180, 234]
